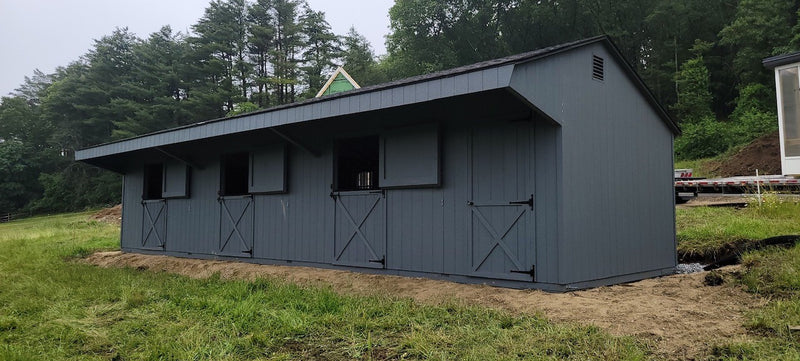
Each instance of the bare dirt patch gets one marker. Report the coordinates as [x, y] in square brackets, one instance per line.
[111, 215]
[678, 314]
[763, 153]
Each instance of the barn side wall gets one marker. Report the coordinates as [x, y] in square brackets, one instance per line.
[616, 197]
[426, 229]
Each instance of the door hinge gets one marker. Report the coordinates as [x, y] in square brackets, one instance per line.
[532, 272]
[529, 202]
[381, 261]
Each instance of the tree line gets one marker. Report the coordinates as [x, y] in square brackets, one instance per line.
[702, 59]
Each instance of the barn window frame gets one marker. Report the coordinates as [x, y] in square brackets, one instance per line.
[153, 181]
[234, 174]
[356, 162]
[398, 158]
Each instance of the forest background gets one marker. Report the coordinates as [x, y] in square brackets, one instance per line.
[701, 59]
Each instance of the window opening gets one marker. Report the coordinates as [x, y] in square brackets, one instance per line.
[153, 181]
[235, 171]
[357, 163]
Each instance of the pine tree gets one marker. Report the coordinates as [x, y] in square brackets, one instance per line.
[286, 48]
[260, 45]
[220, 50]
[321, 48]
[359, 59]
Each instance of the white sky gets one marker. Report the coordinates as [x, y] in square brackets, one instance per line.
[45, 34]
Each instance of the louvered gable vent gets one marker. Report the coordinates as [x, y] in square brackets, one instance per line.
[598, 71]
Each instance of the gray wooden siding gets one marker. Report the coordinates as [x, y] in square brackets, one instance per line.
[616, 195]
[426, 229]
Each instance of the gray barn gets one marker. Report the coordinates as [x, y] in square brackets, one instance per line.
[550, 169]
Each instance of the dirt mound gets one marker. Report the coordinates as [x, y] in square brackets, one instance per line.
[109, 215]
[678, 314]
[763, 154]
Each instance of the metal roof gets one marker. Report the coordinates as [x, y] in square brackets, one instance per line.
[778, 60]
[474, 78]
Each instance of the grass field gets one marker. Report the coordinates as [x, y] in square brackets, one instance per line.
[771, 272]
[52, 307]
[705, 230]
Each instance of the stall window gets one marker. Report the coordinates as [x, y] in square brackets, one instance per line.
[153, 181]
[235, 171]
[357, 163]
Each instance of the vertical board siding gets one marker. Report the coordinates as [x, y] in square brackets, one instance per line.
[132, 219]
[425, 229]
[616, 194]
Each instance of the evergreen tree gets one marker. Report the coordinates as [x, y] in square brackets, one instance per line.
[321, 48]
[359, 60]
[286, 48]
[260, 45]
[220, 51]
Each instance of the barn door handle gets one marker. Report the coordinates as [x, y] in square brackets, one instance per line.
[529, 202]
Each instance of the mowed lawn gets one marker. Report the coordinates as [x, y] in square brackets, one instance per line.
[53, 307]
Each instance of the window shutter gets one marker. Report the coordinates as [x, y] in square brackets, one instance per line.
[176, 180]
[268, 170]
[409, 157]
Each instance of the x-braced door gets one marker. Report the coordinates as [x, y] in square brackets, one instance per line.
[236, 226]
[360, 229]
[154, 224]
[501, 209]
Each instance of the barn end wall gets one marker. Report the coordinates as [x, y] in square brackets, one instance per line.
[616, 196]
[427, 228]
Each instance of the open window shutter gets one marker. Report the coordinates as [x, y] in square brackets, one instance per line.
[176, 180]
[409, 157]
[268, 170]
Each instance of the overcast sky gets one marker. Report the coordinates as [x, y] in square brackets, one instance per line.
[44, 34]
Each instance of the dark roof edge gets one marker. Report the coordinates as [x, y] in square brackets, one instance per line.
[631, 72]
[637, 80]
[513, 59]
[783, 59]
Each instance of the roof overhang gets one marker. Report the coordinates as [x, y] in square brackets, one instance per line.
[467, 80]
[780, 60]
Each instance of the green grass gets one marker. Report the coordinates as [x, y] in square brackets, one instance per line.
[703, 231]
[771, 272]
[53, 307]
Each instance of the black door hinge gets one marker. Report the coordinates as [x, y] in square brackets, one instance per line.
[529, 202]
[532, 272]
[381, 261]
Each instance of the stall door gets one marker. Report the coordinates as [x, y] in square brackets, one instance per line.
[154, 224]
[236, 225]
[360, 229]
[501, 206]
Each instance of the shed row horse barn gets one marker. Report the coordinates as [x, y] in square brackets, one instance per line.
[512, 172]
